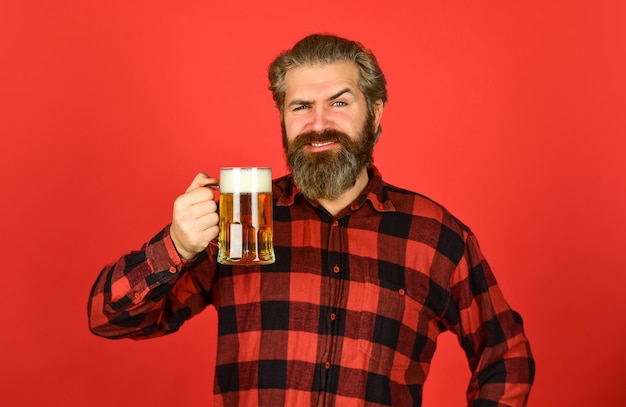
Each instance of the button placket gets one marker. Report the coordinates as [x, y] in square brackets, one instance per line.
[333, 296]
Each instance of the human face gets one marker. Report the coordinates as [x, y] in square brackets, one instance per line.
[325, 97]
[336, 134]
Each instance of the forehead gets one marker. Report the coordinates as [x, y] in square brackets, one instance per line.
[314, 80]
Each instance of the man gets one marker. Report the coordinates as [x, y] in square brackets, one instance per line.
[367, 275]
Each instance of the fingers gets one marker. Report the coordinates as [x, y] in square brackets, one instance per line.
[195, 221]
[196, 210]
[206, 224]
[197, 191]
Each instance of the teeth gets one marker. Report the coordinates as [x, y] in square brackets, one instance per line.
[321, 144]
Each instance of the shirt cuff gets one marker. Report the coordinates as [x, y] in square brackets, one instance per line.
[163, 257]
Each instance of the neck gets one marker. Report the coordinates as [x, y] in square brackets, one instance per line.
[336, 205]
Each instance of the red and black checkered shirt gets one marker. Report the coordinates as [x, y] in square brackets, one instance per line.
[349, 313]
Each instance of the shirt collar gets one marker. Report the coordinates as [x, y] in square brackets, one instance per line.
[375, 192]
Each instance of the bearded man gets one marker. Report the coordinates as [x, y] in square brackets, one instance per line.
[367, 274]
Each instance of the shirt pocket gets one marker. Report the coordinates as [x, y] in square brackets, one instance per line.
[388, 325]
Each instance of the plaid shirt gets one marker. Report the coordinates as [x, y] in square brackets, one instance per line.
[349, 313]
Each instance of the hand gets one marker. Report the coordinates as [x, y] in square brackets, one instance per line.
[195, 221]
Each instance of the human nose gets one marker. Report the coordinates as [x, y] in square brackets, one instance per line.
[320, 119]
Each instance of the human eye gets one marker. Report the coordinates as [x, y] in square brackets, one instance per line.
[300, 107]
[339, 103]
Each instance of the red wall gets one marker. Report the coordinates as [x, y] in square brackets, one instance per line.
[508, 113]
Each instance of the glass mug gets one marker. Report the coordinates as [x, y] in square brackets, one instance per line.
[246, 218]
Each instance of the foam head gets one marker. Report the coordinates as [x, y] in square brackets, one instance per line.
[245, 180]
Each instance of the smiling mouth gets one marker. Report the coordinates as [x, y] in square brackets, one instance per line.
[319, 146]
[322, 143]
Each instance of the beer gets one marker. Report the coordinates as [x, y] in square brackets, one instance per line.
[246, 216]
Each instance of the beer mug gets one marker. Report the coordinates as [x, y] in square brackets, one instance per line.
[246, 218]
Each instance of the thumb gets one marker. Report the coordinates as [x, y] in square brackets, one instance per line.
[201, 180]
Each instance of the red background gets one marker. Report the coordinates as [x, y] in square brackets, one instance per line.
[508, 113]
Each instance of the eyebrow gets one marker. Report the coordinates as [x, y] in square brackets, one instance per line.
[341, 92]
[297, 102]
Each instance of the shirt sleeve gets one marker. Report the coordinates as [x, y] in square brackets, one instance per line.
[491, 334]
[150, 292]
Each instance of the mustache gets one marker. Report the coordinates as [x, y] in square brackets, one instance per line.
[328, 135]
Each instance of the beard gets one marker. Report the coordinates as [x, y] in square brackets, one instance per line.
[328, 174]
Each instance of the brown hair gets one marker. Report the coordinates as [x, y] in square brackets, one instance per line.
[326, 49]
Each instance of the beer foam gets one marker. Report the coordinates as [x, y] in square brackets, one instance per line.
[245, 180]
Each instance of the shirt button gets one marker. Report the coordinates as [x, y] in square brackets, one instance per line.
[333, 316]
[137, 296]
[327, 365]
[336, 269]
[335, 223]
[172, 269]
[401, 291]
